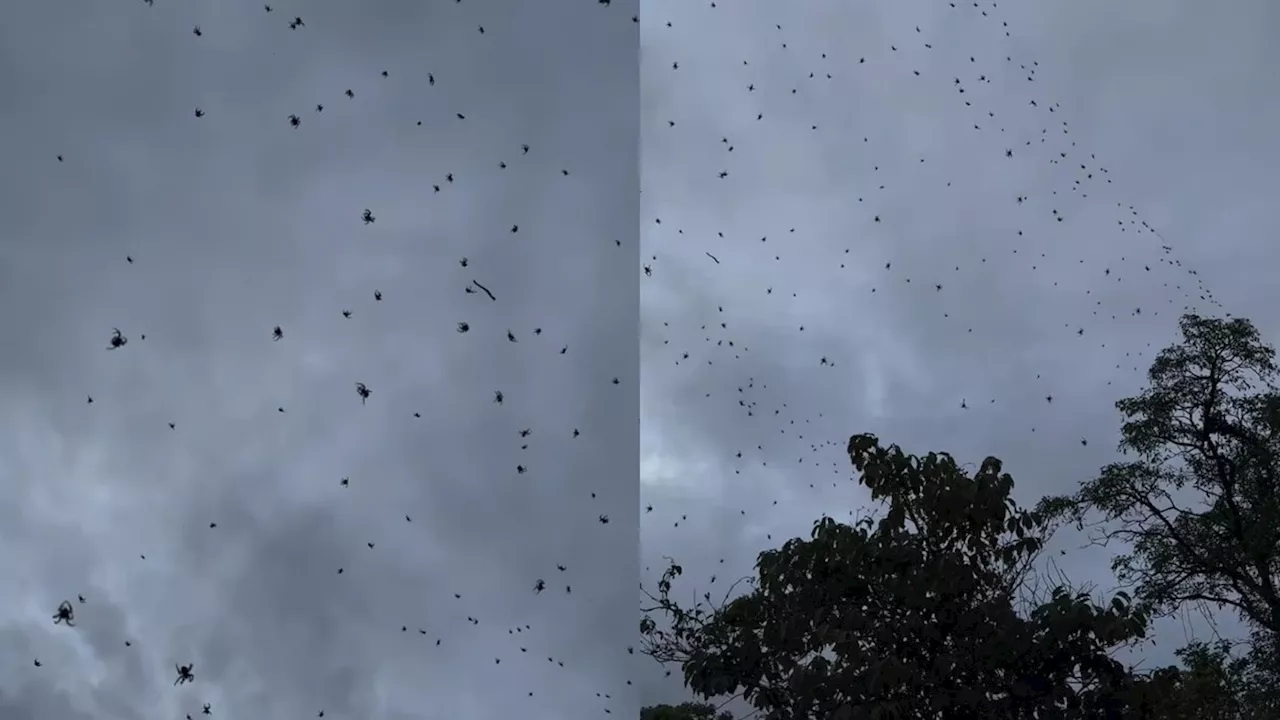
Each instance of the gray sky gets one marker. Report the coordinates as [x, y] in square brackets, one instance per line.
[237, 223]
[1169, 97]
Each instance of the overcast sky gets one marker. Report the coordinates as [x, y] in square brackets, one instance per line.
[1171, 98]
[236, 223]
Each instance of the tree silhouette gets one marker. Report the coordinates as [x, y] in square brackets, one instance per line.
[932, 611]
[1199, 505]
[914, 616]
[1217, 684]
[684, 711]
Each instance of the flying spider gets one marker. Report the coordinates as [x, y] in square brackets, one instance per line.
[65, 615]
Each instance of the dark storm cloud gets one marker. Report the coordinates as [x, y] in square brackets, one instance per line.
[1167, 123]
[236, 223]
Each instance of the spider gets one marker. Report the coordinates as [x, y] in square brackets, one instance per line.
[184, 674]
[117, 340]
[66, 614]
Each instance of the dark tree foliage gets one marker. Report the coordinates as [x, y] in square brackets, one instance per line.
[684, 711]
[1199, 504]
[911, 616]
[1216, 684]
[1262, 675]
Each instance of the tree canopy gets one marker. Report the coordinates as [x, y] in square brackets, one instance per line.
[684, 711]
[933, 610]
[1199, 503]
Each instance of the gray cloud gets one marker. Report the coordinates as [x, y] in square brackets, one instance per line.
[1164, 96]
[236, 223]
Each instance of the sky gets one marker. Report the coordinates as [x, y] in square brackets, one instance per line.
[196, 501]
[870, 217]
[218, 541]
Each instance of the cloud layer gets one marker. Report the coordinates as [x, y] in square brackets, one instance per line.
[408, 592]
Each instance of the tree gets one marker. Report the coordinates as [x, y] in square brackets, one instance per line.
[1262, 675]
[1215, 684]
[1212, 686]
[1208, 425]
[913, 616]
[683, 711]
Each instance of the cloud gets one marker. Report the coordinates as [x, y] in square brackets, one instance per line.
[236, 223]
